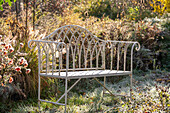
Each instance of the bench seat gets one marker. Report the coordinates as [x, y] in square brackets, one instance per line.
[86, 74]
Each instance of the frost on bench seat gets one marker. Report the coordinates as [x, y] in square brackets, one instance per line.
[86, 74]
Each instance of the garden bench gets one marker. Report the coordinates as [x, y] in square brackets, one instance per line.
[72, 52]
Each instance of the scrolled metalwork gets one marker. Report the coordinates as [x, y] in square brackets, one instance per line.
[138, 46]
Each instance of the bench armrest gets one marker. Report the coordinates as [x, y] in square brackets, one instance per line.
[49, 48]
[126, 42]
[121, 47]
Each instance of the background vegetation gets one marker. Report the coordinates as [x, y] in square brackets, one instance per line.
[136, 20]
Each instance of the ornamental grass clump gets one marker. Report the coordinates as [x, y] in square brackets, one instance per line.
[11, 64]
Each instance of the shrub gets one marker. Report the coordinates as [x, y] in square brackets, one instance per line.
[16, 30]
[133, 13]
[138, 14]
[11, 66]
[133, 9]
[98, 8]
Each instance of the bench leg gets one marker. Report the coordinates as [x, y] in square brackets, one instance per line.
[66, 95]
[39, 83]
[104, 85]
[131, 86]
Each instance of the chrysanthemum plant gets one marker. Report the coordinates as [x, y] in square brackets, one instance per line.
[11, 62]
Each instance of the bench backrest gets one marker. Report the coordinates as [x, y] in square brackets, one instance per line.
[85, 51]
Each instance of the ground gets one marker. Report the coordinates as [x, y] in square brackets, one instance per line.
[150, 94]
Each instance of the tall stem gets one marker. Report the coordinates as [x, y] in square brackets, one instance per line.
[34, 5]
[26, 21]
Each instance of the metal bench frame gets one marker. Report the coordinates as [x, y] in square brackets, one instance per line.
[73, 41]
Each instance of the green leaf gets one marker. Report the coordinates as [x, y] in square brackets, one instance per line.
[1, 8]
[9, 2]
[1, 2]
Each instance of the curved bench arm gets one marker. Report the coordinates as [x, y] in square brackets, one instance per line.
[118, 45]
[137, 46]
[137, 49]
[125, 42]
[59, 48]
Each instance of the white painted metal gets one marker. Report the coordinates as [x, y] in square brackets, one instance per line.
[72, 52]
[52, 102]
[85, 74]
